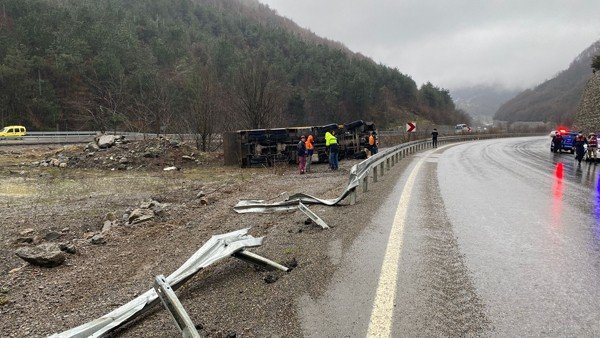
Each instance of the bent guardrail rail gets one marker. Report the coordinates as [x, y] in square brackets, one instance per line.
[215, 249]
[377, 164]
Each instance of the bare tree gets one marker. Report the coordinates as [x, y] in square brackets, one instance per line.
[258, 99]
[155, 106]
[106, 105]
[203, 116]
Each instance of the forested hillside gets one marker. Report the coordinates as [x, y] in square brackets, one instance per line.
[189, 65]
[555, 100]
[482, 101]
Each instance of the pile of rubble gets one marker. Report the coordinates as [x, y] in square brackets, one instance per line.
[115, 152]
[46, 252]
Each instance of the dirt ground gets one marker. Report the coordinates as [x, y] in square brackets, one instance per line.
[230, 298]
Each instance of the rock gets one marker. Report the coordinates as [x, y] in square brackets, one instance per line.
[308, 221]
[291, 264]
[54, 162]
[26, 231]
[204, 201]
[52, 235]
[62, 165]
[200, 194]
[124, 160]
[89, 235]
[140, 215]
[44, 164]
[151, 152]
[121, 167]
[35, 164]
[108, 225]
[270, 278]
[98, 239]
[25, 240]
[107, 141]
[231, 335]
[68, 248]
[175, 144]
[170, 168]
[67, 229]
[92, 146]
[46, 255]
[188, 158]
[110, 217]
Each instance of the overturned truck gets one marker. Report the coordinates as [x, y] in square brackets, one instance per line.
[269, 146]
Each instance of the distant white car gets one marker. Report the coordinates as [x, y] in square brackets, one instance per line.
[461, 128]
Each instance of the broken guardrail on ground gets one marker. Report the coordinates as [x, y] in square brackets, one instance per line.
[216, 248]
[375, 166]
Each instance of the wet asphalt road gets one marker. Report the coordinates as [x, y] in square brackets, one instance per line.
[501, 238]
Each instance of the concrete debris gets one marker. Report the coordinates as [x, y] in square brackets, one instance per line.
[25, 232]
[170, 168]
[68, 248]
[98, 239]
[140, 215]
[188, 158]
[200, 194]
[108, 225]
[47, 255]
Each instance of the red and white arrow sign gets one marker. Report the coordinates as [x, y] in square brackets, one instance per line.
[411, 127]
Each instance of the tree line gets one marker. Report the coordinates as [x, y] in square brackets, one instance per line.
[197, 66]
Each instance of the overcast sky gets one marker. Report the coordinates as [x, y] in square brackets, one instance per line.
[455, 43]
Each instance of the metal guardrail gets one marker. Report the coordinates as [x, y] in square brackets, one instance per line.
[231, 244]
[374, 166]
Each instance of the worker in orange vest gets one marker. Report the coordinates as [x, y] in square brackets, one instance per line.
[373, 143]
[310, 148]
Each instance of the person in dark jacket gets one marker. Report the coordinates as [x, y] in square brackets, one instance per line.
[302, 154]
[579, 145]
[434, 136]
[557, 140]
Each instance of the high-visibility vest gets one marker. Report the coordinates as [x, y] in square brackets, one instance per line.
[593, 142]
[330, 139]
[371, 140]
[309, 143]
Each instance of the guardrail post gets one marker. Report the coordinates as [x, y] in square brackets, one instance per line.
[381, 169]
[387, 163]
[366, 182]
[353, 197]
[375, 174]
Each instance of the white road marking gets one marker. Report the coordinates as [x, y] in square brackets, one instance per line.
[383, 306]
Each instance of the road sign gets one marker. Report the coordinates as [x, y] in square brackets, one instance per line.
[411, 127]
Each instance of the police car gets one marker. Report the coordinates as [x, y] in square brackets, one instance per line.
[568, 140]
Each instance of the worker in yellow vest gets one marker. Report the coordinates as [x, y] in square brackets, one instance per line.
[331, 143]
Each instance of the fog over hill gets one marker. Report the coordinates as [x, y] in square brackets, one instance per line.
[554, 100]
[482, 101]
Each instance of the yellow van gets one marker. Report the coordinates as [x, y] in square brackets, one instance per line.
[12, 132]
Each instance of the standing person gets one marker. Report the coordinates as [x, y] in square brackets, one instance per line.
[373, 143]
[557, 140]
[579, 144]
[592, 147]
[301, 154]
[331, 142]
[310, 149]
[434, 136]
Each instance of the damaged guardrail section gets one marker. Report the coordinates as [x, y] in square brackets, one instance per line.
[375, 165]
[231, 244]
